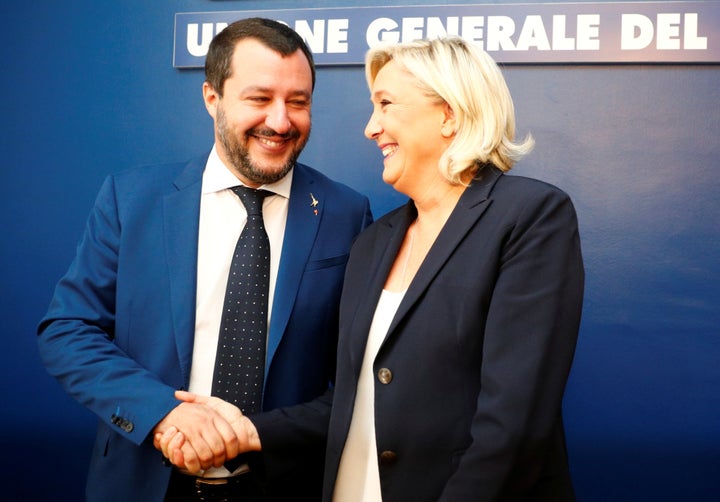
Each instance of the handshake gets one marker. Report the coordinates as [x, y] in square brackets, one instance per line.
[203, 432]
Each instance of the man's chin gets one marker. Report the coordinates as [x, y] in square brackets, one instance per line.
[266, 174]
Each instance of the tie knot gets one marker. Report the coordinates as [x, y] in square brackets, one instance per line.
[252, 199]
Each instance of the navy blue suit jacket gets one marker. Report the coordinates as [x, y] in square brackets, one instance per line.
[119, 331]
[470, 377]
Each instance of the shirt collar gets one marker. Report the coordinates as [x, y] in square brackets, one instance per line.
[217, 177]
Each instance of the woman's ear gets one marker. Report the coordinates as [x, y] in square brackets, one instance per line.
[449, 123]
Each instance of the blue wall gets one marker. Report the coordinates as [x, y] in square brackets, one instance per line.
[88, 88]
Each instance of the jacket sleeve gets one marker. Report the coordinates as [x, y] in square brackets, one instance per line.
[76, 336]
[291, 436]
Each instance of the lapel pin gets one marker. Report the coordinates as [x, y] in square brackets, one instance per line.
[313, 203]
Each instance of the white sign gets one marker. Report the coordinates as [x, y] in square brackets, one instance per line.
[623, 32]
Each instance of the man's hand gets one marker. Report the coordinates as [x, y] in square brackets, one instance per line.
[219, 433]
[208, 439]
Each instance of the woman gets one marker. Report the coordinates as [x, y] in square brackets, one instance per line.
[471, 295]
[460, 310]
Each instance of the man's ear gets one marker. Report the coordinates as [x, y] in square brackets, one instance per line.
[211, 98]
[449, 124]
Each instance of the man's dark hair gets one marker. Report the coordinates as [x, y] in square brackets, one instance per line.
[272, 34]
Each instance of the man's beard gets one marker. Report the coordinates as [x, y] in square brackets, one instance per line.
[239, 156]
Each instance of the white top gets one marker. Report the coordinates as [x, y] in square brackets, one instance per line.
[222, 218]
[358, 477]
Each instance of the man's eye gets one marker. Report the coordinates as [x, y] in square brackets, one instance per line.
[301, 103]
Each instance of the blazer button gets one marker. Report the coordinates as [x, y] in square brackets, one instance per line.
[388, 457]
[385, 376]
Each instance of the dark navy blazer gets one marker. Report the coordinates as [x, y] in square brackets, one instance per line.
[470, 377]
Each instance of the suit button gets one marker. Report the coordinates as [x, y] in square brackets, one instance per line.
[128, 426]
[388, 457]
[385, 376]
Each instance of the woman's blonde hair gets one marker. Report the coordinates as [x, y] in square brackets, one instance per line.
[465, 77]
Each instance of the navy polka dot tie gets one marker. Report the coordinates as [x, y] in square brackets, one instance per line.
[240, 359]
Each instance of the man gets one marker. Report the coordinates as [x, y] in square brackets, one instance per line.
[138, 314]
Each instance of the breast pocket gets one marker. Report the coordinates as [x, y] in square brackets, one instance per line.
[334, 261]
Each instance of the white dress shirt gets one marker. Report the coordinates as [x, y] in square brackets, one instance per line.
[222, 218]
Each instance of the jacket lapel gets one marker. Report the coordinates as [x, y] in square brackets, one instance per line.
[472, 204]
[303, 221]
[389, 238]
[181, 210]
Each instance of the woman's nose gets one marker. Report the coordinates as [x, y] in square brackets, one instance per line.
[372, 128]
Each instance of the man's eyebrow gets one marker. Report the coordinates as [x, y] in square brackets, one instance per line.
[267, 90]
